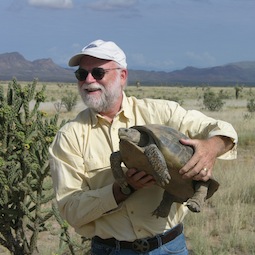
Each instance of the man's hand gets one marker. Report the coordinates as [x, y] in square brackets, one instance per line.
[200, 166]
[139, 179]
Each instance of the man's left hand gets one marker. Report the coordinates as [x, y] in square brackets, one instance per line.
[200, 166]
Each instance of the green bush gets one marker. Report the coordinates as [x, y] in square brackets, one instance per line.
[238, 91]
[70, 100]
[213, 101]
[251, 105]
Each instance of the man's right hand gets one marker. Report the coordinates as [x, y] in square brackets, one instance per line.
[139, 179]
[136, 179]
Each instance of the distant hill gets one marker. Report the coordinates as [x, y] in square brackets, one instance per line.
[15, 65]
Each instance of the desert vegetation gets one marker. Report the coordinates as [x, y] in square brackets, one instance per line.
[225, 226]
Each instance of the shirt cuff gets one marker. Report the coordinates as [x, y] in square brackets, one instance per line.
[231, 154]
[108, 201]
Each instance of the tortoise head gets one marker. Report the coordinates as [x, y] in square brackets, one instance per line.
[129, 134]
[138, 137]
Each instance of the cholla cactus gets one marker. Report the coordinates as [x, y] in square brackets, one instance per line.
[25, 186]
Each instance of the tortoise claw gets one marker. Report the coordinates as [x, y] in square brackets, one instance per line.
[193, 205]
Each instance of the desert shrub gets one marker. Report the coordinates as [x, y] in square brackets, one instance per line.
[58, 106]
[26, 192]
[213, 101]
[238, 91]
[251, 105]
[70, 100]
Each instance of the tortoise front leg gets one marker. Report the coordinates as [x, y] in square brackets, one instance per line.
[196, 202]
[117, 170]
[158, 163]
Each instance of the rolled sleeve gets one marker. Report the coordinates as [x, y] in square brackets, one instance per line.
[197, 125]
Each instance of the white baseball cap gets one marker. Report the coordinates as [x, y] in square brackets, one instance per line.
[103, 50]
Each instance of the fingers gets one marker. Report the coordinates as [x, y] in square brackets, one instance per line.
[200, 166]
[139, 179]
[131, 172]
[197, 173]
[194, 167]
[203, 175]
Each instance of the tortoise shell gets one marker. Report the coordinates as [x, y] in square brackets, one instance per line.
[157, 150]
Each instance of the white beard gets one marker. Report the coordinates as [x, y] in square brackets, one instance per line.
[108, 96]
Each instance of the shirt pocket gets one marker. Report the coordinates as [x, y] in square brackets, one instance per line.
[98, 171]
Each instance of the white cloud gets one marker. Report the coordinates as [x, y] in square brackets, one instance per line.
[58, 4]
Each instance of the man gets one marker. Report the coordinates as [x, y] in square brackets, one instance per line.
[87, 194]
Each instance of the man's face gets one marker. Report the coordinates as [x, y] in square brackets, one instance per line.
[102, 95]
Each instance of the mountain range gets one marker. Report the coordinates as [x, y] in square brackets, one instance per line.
[15, 65]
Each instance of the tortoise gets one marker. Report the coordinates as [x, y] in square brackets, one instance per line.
[157, 150]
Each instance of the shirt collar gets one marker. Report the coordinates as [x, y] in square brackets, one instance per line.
[125, 109]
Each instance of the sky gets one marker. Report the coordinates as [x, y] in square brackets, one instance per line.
[158, 35]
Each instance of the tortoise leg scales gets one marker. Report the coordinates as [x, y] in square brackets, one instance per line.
[158, 163]
[196, 202]
[165, 205]
[117, 170]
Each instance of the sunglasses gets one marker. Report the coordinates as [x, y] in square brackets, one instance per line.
[98, 73]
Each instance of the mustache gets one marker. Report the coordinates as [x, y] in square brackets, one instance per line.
[92, 86]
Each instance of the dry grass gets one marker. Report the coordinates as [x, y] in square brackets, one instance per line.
[227, 224]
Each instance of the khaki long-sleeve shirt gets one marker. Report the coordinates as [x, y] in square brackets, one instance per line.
[82, 177]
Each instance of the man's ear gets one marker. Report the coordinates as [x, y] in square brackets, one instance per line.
[124, 77]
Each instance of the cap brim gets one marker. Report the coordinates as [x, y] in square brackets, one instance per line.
[75, 60]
